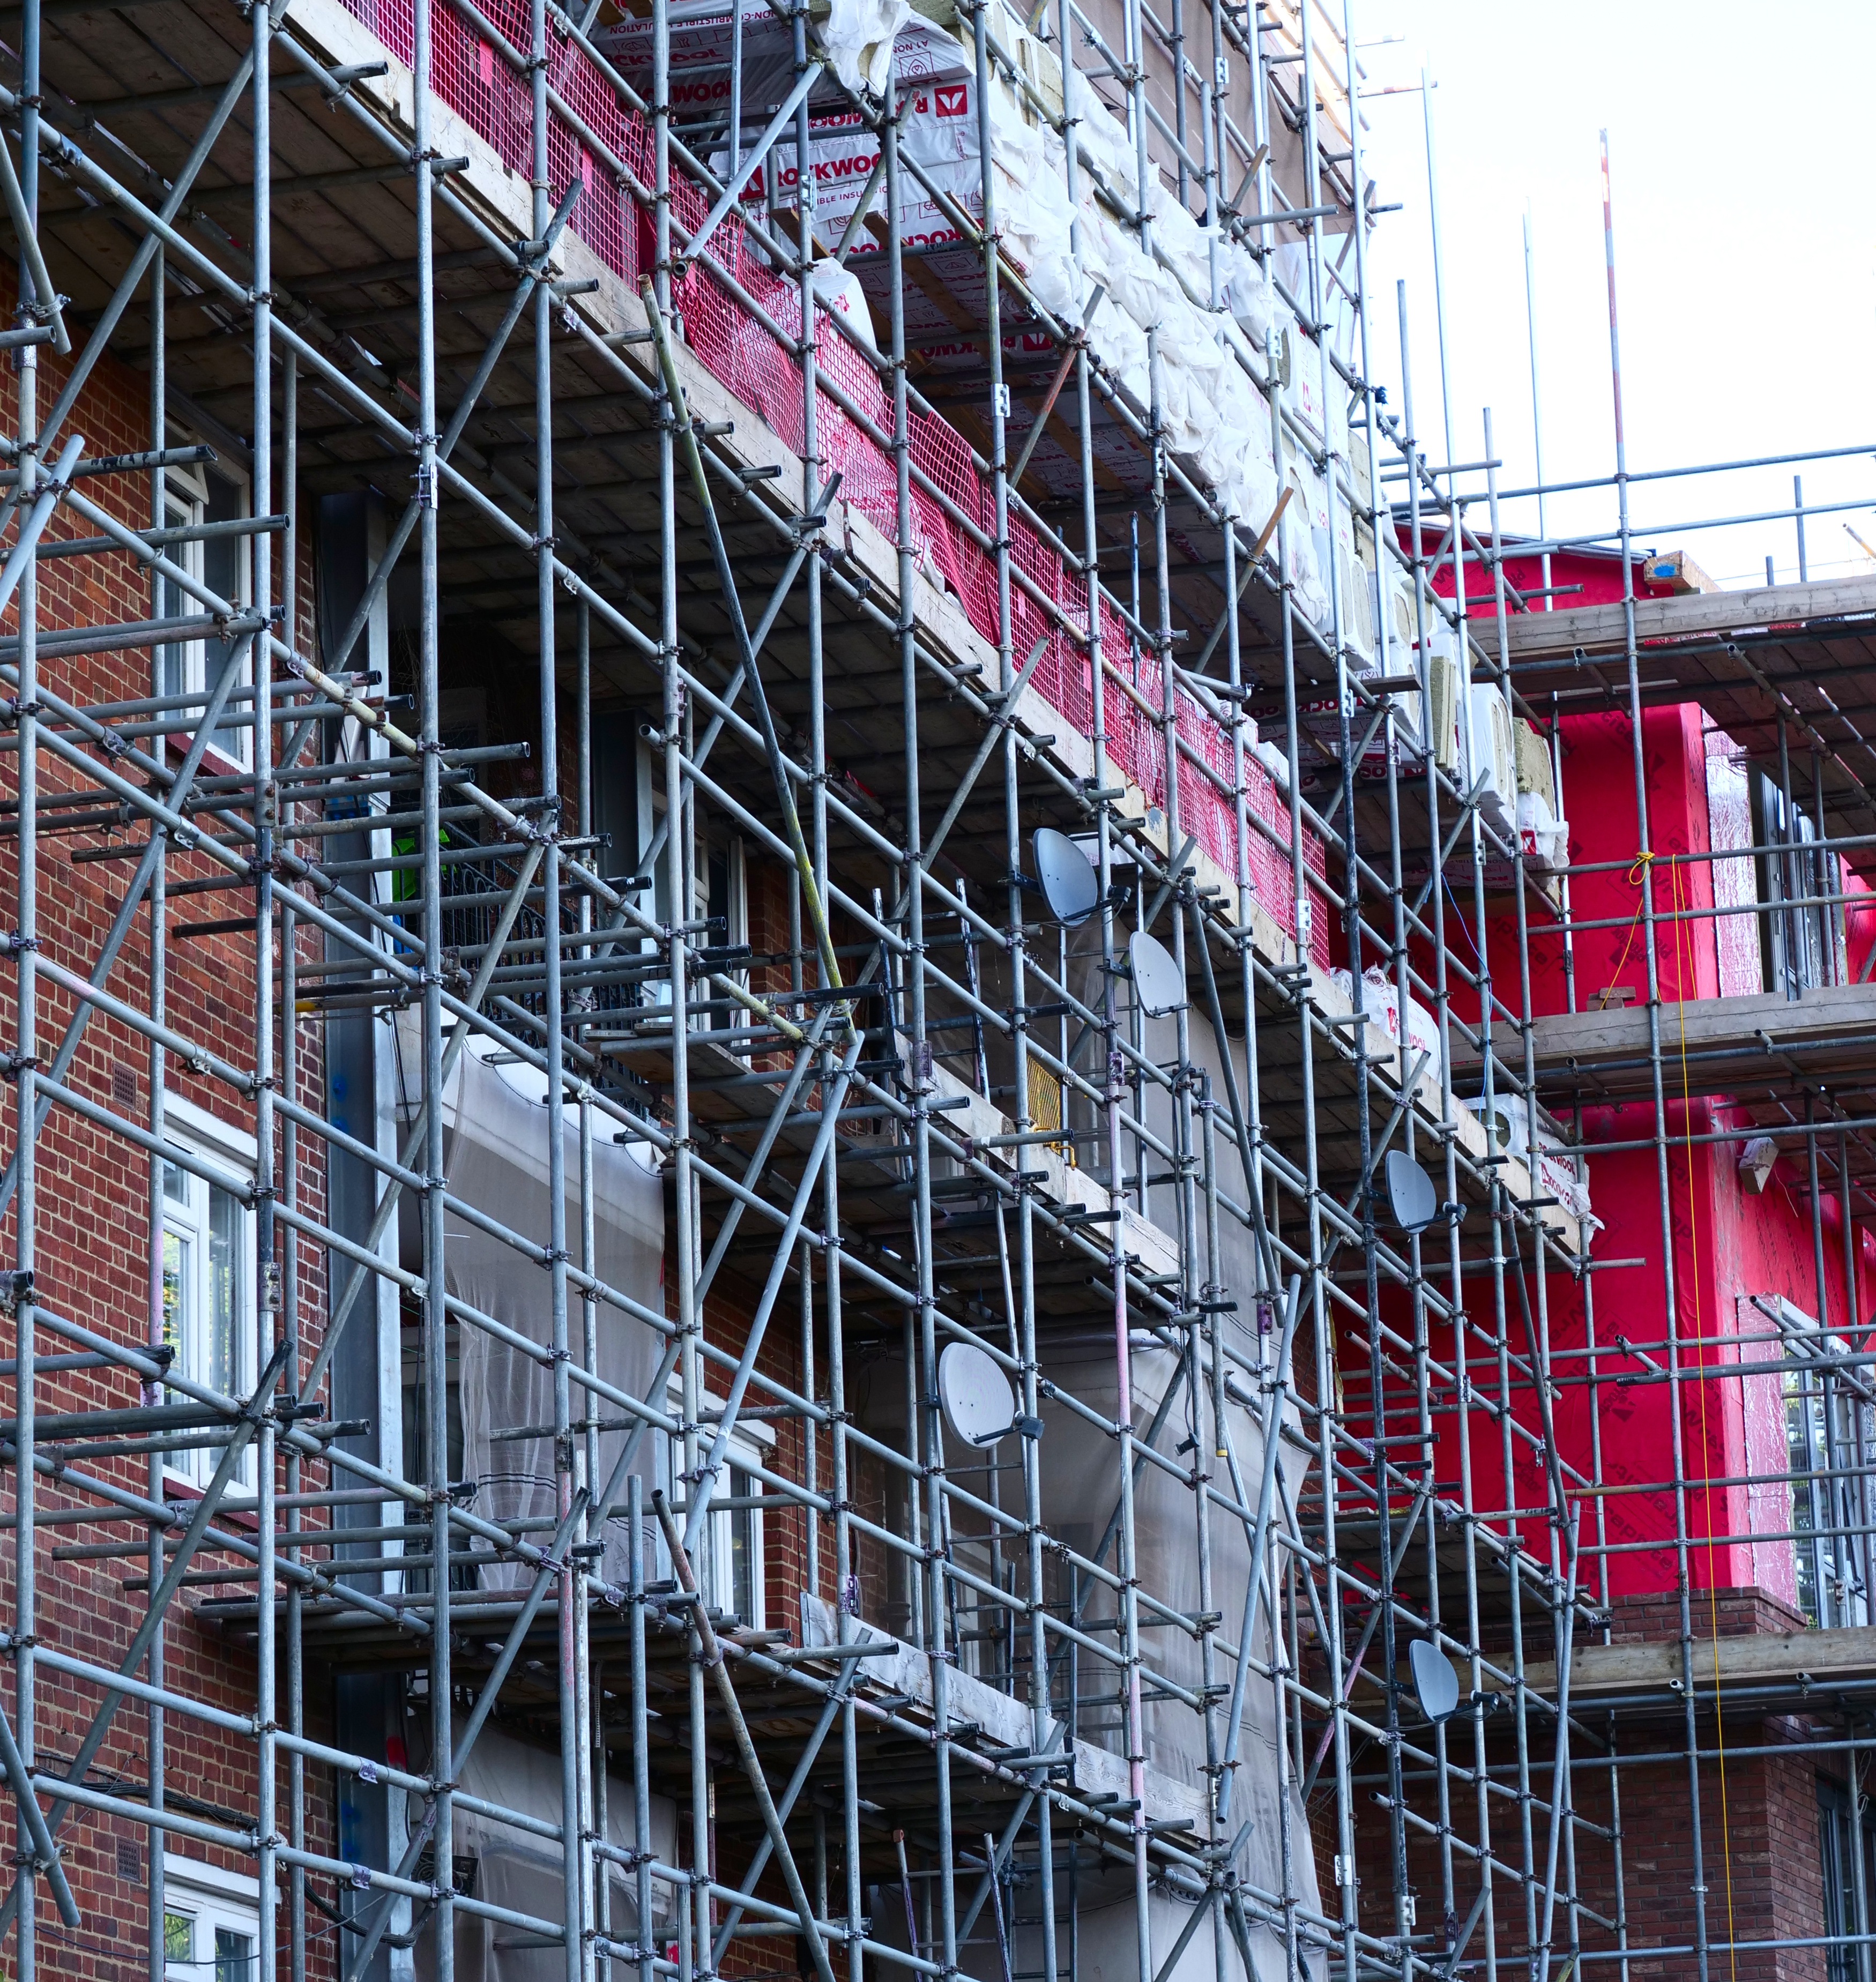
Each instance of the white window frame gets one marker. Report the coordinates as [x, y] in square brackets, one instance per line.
[714, 1563]
[185, 503]
[1839, 1560]
[736, 909]
[193, 1131]
[1799, 944]
[210, 1897]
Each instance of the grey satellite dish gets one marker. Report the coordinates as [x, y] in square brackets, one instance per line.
[1158, 983]
[1434, 1679]
[979, 1406]
[1070, 885]
[1410, 1195]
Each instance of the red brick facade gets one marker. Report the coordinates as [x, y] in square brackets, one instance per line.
[92, 1231]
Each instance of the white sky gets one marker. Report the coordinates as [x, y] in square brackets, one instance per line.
[1740, 151]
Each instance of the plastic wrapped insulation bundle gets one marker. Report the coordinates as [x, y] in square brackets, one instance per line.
[1080, 1505]
[497, 1164]
[1079, 1502]
[507, 1866]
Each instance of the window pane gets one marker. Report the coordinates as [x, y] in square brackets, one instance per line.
[221, 1370]
[1729, 808]
[172, 658]
[1798, 1451]
[743, 1550]
[178, 1937]
[175, 1291]
[175, 1184]
[1840, 1907]
[172, 603]
[222, 559]
[234, 1955]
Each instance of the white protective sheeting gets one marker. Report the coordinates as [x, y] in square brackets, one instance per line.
[1080, 1492]
[837, 287]
[1493, 755]
[1107, 1946]
[1542, 838]
[1159, 1041]
[1380, 999]
[1080, 1488]
[499, 1164]
[858, 37]
[1218, 423]
[1005, 1721]
[1555, 1170]
[516, 1870]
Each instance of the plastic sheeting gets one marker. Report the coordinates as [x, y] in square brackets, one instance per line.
[1494, 754]
[516, 1870]
[857, 36]
[1158, 1040]
[1542, 838]
[1735, 882]
[838, 288]
[498, 1164]
[1216, 422]
[1380, 998]
[1003, 1719]
[1080, 1491]
[1555, 1170]
[1106, 1947]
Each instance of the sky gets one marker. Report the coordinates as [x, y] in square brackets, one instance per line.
[1740, 158]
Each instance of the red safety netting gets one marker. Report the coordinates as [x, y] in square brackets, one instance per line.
[739, 349]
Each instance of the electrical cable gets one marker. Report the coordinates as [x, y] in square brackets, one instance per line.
[1683, 957]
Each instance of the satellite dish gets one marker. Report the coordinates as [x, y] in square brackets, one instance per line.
[979, 1406]
[1158, 983]
[1070, 885]
[1434, 1680]
[1410, 1195]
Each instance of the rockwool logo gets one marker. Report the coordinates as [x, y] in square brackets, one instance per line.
[952, 99]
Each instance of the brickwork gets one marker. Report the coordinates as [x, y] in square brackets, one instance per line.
[1726, 1614]
[93, 1245]
[1759, 1855]
[1759, 1851]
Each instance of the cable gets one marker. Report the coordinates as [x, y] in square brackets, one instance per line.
[1642, 863]
[1683, 956]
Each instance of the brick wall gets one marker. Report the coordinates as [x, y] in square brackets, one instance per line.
[93, 1240]
[1760, 1856]
[1760, 1853]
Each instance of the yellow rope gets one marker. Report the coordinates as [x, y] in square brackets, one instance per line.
[1683, 959]
[1642, 863]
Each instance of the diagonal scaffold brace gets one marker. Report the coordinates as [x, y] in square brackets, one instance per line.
[733, 606]
[710, 1649]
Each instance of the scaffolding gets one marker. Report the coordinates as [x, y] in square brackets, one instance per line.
[742, 1303]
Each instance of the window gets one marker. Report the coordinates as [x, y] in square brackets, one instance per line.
[618, 781]
[1843, 1918]
[1828, 1416]
[729, 1557]
[1799, 942]
[719, 901]
[209, 1923]
[1735, 884]
[728, 902]
[196, 495]
[208, 1269]
[729, 1563]
[744, 1540]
